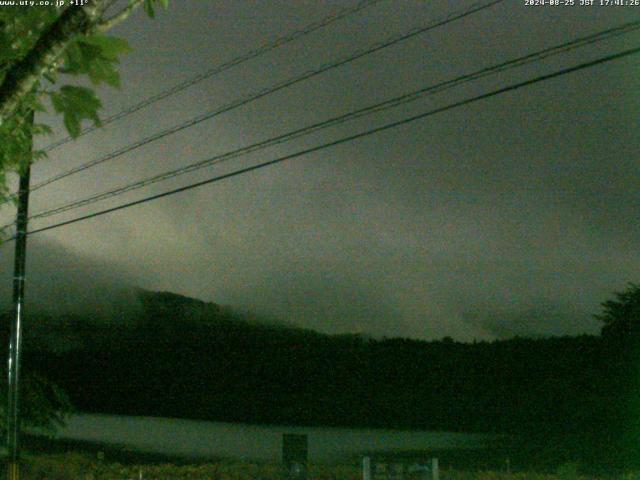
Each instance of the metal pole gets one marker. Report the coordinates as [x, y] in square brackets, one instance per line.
[13, 412]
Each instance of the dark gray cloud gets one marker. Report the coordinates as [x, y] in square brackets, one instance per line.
[536, 320]
[62, 281]
[515, 215]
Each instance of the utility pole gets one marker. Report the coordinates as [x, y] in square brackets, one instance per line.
[13, 411]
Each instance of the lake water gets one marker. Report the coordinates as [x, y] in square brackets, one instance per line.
[214, 439]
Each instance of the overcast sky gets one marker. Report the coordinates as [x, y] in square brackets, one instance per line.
[513, 215]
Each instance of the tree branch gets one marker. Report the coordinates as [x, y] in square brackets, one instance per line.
[119, 17]
[23, 75]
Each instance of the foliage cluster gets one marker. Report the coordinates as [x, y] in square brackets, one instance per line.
[91, 55]
[44, 406]
[621, 316]
[17, 38]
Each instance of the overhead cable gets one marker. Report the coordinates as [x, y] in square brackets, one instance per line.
[279, 42]
[268, 91]
[347, 139]
[369, 110]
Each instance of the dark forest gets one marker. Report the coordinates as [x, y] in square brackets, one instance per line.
[179, 357]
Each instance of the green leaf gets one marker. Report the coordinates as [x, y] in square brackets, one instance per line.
[76, 104]
[39, 155]
[102, 71]
[97, 57]
[110, 47]
[15, 143]
[74, 62]
[50, 77]
[37, 106]
[148, 8]
[41, 129]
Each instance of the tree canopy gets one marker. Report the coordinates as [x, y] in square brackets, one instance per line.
[41, 48]
[621, 316]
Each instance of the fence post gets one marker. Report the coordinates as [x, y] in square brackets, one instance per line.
[366, 468]
[435, 471]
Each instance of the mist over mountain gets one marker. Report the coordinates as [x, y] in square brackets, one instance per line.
[536, 320]
[62, 281]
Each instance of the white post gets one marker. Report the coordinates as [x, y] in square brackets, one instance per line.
[435, 471]
[366, 468]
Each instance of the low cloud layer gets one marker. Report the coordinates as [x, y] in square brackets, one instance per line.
[62, 281]
[516, 215]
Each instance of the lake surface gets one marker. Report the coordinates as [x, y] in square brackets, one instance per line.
[215, 439]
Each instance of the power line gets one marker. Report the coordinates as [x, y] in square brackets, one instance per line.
[268, 91]
[396, 101]
[349, 138]
[279, 42]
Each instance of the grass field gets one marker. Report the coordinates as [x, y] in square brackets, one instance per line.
[49, 459]
[83, 466]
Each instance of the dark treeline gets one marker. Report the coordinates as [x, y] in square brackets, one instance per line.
[179, 357]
